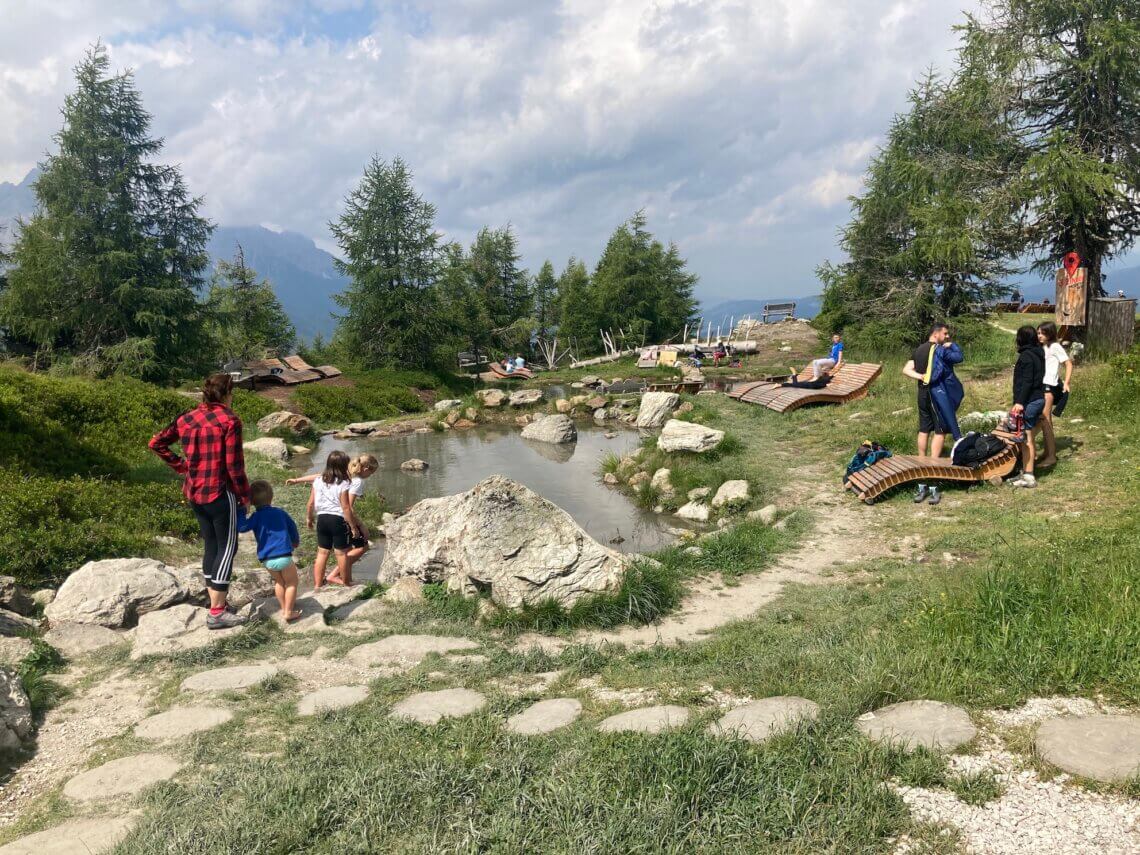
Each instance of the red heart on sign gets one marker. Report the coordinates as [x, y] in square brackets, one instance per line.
[1071, 263]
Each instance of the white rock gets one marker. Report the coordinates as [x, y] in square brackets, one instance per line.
[13, 649]
[113, 593]
[13, 624]
[694, 511]
[234, 678]
[285, 420]
[14, 598]
[760, 720]
[406, 650]
[688, 436]
[173, 630]
[431, 707]
[248, 585]
[698, 493]
[123, 777]
[364, 427]
[15, 711]
[492, 397]
[190, 577]
[729, 492]
[556, 430]
[645, 720]
[445, 405]
[660, 483]
[270, 447]
[766, 514]
[501, 538]
[74, 837]
[656, 408]
[407, 589]
[178, 722]
[414, 465]
[76, 639]
[545, 716]
[525, 397]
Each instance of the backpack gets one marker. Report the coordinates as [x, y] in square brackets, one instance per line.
[868, 454]
[974, 449]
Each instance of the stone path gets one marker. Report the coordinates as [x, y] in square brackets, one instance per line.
[1102, 747]
[234, 678]
[181, 721]
[432, 707]
[123, 777]
[77, 837]
[645, 720]
[765, 718]
[332, 698]
[406, 650]
[931, 724]
[545, 716]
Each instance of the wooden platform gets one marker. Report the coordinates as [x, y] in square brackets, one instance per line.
[851, 382]
[681, 387]
[890, 472]
[497, 369]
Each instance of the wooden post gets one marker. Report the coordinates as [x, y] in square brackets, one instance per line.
[1112, 325]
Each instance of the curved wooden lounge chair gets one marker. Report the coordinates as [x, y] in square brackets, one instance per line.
[850, 383]
[890, 472]
[517, 374]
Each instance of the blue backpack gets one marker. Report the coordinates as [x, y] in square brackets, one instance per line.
[868, 454]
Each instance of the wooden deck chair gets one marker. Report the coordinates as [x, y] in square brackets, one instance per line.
[328, 370]
[647, 359]
[850, 383]
[297, 363]
[516, 374]
[890, 472]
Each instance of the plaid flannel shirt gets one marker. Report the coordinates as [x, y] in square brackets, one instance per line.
[210, 436]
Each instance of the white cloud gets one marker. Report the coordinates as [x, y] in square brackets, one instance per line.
[736, 125]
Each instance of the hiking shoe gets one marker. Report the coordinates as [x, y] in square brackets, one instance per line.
[1027, 481]
[935, 496]
[226, 620]
[920, 494]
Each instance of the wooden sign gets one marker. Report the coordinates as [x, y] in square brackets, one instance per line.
[1072, 293]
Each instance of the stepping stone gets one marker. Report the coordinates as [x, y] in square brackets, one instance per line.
[123, 777]
[76, 639]
[78, 837]
[1101, 747]
[931, 724]
[545, 716]
[181, 721]
[431, 707]
[228, 679]
[332, 698]
[767, 717]
[406, 650]
[645, 720]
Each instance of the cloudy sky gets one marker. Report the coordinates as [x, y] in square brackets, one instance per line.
[740, 126]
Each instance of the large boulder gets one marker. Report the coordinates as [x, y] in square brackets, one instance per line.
[447, 404]
[661, 483]
[284, 420]
[114, 592]
[174, 630]
[12, 624]
[15, 711]
[688, 436]
[656, 408]
[492, 397]
[553, 429]
[503, 540]
[525, 397]
[249, 585]
[270, 447]
[14, 598]
[364, 427]
[731, 493]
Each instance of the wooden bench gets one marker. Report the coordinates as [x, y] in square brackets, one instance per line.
[784, 310]
[890, 472]
[850, 383]
[297, 363]
[471, 359]
[515, 374]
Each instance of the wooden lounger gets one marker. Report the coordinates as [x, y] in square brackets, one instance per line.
[647, 362]
[890, 472]
[850, 383]
[298, 364]
[517, 374]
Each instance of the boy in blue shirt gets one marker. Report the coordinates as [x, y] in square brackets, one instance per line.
[277, 537]
[830, 363]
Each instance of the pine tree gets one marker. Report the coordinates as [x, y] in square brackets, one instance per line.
[244, 317]
[393, 312]
[546, 299]
[504, 288]
[577, 309]
[108, 268]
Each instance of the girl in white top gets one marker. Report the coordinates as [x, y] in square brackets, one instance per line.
[1055, 357]
[323, 501]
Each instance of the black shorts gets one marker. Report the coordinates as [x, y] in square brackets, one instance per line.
[928, 421]
[332, 532]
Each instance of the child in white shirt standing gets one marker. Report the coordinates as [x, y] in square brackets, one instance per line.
[1056, 390]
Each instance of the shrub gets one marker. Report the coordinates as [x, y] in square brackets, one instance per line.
[251, 408]
[378, 395]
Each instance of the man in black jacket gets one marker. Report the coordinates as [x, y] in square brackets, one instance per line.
[1028, 398]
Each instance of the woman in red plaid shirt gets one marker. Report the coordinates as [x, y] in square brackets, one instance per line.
[216, 485]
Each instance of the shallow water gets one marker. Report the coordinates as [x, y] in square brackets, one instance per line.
[567, 475]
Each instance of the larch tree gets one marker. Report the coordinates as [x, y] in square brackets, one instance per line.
[244, 318]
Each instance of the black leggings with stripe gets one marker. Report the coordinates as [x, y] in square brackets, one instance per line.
[218, 521]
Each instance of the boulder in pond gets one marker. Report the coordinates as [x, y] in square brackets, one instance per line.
[269, 447]
[414, 465]
[525, 397]
[492, 397]
[284, 420]
[688, 436]
[114, 592]
[363, 427]
[553, 429]
[563, 406]
[503, 540]
[656, 408]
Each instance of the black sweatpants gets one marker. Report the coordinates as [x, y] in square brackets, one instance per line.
[218, 521]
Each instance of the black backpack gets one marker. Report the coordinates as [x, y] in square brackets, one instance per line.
[974, 449]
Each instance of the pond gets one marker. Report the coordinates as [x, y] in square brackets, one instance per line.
[567, 475]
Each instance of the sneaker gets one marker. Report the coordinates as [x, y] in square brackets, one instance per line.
[226, 620]
[935, 496]
[1027, 481]
[920, 494]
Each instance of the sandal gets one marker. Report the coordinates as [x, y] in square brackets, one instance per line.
[296, 615]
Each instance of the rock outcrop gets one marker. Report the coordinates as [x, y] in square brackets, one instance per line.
[270, 447]
[114, 592]
[553, 429]
[503, 540]
[656, 408]
[294, 423]
[492, 397]
[688, 436]
[525, 397]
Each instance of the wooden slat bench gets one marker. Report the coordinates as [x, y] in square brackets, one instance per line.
[870, 483]
[516, 374]
[298, 364]
[784, 310]
[850, 383]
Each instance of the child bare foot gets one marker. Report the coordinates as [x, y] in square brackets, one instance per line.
[296, 614]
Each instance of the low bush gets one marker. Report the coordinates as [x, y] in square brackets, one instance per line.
[377, 395]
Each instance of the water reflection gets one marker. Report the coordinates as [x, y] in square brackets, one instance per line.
[567, 475]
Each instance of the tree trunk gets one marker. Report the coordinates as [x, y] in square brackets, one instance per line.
[1112, 325]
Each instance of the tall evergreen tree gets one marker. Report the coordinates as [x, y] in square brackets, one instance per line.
[546, 299]
[393, 314]
[244, 317]
[109, 266]
[493, 262]
[577, 310]
[1071, 70]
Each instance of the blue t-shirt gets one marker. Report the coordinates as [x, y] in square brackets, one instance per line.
[275, 531]
[836, 349]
